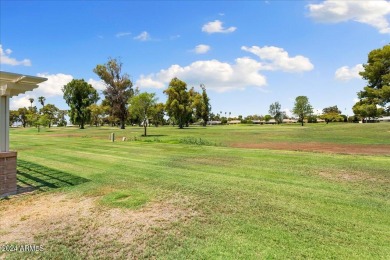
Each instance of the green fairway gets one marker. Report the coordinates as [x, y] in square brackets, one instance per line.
[220, 201]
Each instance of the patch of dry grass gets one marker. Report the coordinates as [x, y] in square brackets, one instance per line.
[81, 224]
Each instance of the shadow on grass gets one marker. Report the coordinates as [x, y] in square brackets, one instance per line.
[32, 176]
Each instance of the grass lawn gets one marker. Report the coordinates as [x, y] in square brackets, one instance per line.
[191, 193]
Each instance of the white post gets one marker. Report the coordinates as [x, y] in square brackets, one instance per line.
[4, 124]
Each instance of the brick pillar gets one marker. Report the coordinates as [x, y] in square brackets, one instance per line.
[7, 173]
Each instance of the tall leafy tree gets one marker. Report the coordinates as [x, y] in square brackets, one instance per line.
[143, 105]
[302, 108]
[377, 73]
[118, 88]
[79, 95]
[206, 107]
[200, 104]
[178, 103]
[331, 114]
[276, 112]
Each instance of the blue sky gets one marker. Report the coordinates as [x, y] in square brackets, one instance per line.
[248, 54]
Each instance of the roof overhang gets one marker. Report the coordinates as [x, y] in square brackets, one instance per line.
[12, 84]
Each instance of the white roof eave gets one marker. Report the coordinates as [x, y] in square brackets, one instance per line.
[12, 84]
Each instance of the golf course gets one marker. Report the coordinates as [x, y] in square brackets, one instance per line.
[321, 191]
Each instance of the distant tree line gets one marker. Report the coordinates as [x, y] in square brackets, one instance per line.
[123, 105]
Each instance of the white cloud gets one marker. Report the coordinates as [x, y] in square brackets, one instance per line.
[50, 88]
[6, 59]
[317, 111]
[144, 36]
[275, 58]
[54, 84]
[288, 112]
[17, 102]
[216, 75]
[122, 34]
[216, 27]
[174, 37]
[368, 12]
[346, 73]
[97, 84]
[201, 49]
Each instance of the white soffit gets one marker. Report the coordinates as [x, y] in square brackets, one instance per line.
[13, 84]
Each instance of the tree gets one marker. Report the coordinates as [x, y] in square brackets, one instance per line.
[331, 114]
[158, 116]
[97, 114]
[23, 112]
[276, 113]
[44, 120]
[118, 88]
[377, 73]
[33, 119]
[42, 100]
[143, 106]
[79, 95]
[302, 108]
[366, 110]
[267, 118]
[206, 107]
[31, 101]
[195, 101]
[200, 104]
[61, 118]
[32, 116]
[51, 111]
[13, 117]
[178, 102]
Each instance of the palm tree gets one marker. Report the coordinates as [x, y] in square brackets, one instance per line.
[42, 100]
[31, 101]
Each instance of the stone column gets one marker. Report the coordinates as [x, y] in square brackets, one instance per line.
[7, 173]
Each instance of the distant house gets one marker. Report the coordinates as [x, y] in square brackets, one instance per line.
[214, 122]
[289, 120]
[271, 122]
[233, 122]
[384, 119]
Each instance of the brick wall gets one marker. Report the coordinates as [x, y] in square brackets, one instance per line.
[7, 173]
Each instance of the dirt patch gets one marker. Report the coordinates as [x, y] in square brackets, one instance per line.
[84, 225]
[371, 149]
